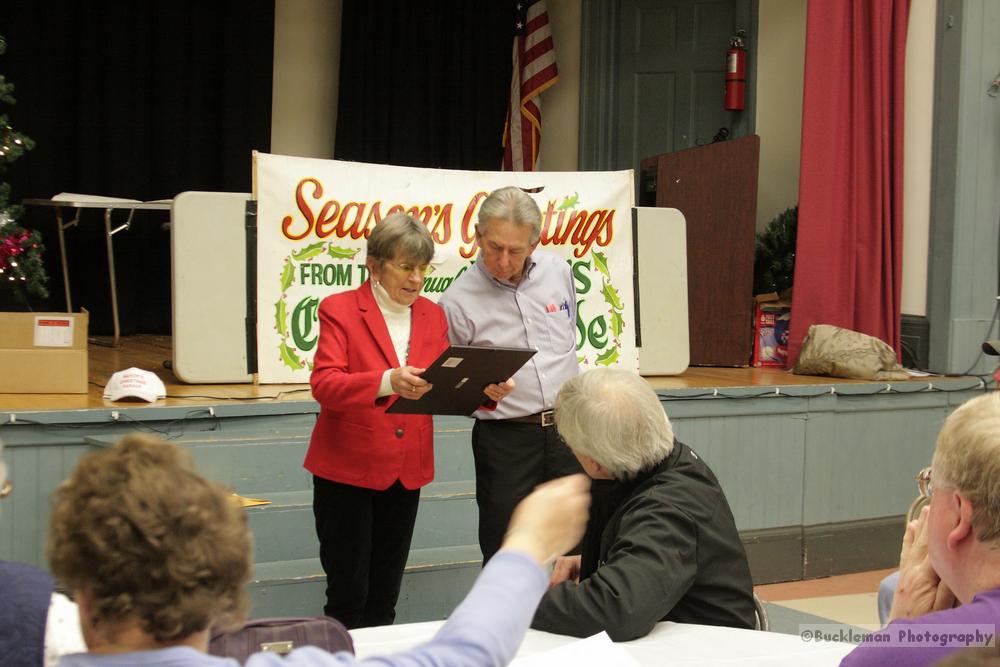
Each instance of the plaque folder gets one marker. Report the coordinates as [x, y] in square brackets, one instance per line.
[459, 376]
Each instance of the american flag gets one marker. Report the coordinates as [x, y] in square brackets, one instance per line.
[534, 71]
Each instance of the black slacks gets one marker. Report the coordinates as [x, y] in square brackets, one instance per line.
[512, 459]
[364, 539]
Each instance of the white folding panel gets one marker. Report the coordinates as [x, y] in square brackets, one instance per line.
[661, 240]
[208, 266]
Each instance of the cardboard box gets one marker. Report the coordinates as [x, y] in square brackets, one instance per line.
[43, 353]
[771, 322]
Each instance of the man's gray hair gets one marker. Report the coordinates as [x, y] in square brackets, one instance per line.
[400, 235]
[967, 456]
[513, 205]
[615, 418]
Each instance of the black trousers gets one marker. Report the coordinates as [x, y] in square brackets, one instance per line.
[512, 459]
[364, 539]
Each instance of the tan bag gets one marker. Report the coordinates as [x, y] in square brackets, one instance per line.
[830, 350]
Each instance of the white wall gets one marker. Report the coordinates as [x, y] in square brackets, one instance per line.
[918, 129]
[561, 102]
[781, 45]
[306, 73]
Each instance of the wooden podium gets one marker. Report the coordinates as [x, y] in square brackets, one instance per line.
[715, 187]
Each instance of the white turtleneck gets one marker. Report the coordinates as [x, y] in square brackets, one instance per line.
[397, 320]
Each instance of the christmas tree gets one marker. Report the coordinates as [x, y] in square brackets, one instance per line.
[21, 267]
[774, 257]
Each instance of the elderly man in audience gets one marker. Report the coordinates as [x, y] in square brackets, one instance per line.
[37, 625]
[952, 551]
[156, 556]
[661, 544]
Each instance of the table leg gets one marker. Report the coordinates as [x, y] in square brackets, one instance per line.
[62, 253]
[111, 277]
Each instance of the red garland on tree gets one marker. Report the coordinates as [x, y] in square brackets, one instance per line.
[21, 266]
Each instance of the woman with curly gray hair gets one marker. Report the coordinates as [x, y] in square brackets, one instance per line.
[151, 550]
[157, 556]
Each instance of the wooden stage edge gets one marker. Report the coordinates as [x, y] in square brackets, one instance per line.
[149, 352]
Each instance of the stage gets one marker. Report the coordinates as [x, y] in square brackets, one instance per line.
[818, 470]
[153, 353]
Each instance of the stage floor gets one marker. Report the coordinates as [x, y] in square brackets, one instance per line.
[149, 352]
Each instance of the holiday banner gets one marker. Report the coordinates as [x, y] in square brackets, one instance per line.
[314, 216]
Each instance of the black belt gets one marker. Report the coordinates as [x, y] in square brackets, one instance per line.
[544, 418]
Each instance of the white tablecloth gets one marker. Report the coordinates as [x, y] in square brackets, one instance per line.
[668, 644]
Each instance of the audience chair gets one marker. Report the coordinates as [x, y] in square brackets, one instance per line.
[760, 615]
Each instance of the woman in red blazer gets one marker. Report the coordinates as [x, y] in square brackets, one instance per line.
[367, 465]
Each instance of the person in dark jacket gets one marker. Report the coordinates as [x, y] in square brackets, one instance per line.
[37, 624]
[661, 544]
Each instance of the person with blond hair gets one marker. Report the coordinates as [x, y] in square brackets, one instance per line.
[157, 556]
[662, 544]
[952, 551]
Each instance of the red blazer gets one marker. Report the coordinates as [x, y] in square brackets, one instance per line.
[355, 441]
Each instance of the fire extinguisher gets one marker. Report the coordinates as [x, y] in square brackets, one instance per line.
[736, 73]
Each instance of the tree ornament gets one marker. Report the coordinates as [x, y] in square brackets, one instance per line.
[20, 249]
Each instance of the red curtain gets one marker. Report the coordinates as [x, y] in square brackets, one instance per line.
[848, 264]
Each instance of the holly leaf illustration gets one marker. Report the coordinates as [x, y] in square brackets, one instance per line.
[287, 274]
[609, 357]
[310, 251]
[342, 253]
[601, 263]
[288, 356]
[569, 202]
[617, 323]
[580, 359]
[611, 296]
[280, 316]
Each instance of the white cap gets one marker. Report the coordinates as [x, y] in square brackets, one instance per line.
[134, 383]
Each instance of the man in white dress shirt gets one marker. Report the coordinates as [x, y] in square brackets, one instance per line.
[515, 296]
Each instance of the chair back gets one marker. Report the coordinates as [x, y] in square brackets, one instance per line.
[760, 615]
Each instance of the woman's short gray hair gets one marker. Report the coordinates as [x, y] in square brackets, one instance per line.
[615, 418]
[513, 205]
[401, 235]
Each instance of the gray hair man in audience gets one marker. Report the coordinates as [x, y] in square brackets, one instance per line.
[661, 544]
[952, 552]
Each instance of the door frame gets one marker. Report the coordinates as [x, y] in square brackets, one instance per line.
[600, 23]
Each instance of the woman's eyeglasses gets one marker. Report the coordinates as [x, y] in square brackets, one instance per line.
[424, 269]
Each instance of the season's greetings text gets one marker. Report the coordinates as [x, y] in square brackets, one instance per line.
[324, 217]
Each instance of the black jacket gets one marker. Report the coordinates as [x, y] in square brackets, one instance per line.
[660, 547]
